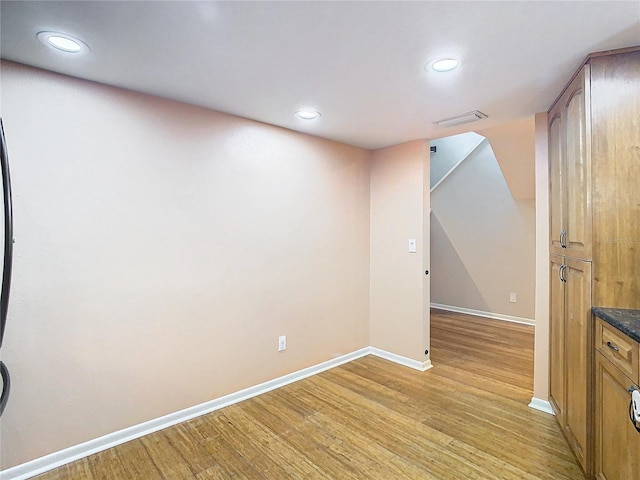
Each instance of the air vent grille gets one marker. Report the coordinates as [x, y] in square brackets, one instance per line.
[460, 119]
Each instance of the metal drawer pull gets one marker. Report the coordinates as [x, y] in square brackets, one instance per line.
[613, 347]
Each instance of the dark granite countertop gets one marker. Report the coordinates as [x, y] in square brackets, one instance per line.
[627, 321]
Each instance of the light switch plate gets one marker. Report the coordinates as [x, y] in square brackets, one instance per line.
[412, 245]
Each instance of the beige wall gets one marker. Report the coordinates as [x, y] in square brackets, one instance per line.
[160, 251]
[399, 321]
[541, 359]
[482, 239]
[514, 146]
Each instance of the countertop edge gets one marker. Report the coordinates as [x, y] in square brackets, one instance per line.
[625, 320]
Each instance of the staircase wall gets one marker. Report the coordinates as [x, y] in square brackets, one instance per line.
[482, 240]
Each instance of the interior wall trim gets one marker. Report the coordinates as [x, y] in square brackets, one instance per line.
[62, 457]
[542, 405]
[399, 359]
[480, 313]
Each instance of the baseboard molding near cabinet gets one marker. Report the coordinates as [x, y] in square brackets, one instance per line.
[542, 405]
[480, 313]
[54, 460]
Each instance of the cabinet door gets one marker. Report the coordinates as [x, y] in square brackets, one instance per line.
[556, 180]
[577, 160]
[617, 445]
[578, 341]
[556, 338]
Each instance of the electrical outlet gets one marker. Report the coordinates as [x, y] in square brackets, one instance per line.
[282, 343]
[513, 298]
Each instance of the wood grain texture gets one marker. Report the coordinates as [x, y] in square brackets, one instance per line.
[618, 348]
[570, 171]
[578, 357]
[467, 418]
[557, 325]
[557, 179]
[615, 120]
[577, 160]
[617, 449]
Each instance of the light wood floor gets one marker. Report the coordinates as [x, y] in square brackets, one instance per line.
[467, 418]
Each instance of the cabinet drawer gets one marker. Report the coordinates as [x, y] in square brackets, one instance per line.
[621, 350]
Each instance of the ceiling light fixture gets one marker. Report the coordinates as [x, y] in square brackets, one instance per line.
[63, 42]
[460, 119]
[307, 114]
[444, 65]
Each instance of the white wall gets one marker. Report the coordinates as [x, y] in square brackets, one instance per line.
[483, 241]
[160, 251]
[449, 152]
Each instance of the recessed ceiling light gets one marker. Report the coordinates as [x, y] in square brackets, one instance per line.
[61, 41]
[444, 65]
[307, 114]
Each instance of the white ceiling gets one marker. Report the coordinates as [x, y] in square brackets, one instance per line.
[359, 63]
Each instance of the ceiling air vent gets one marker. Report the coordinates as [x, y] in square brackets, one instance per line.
[460, 119]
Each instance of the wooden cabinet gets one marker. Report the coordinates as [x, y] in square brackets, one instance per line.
[556, 180]
[570, 170]
[557, 338]
[570, 353]
[617, 442]
[594, 196]
[577, 275]
[594, 145]
[615, 125]
[619, 349]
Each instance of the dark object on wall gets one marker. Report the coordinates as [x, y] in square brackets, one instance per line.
[8, 261]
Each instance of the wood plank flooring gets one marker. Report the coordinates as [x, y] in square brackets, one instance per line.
[467, 418]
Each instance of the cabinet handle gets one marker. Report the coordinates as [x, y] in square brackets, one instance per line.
[563, 239]
[613, 347]
[561, 273]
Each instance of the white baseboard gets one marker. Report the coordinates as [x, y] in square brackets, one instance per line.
[480, 313]
[407, 362]
[76, 452]
[541, 405]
